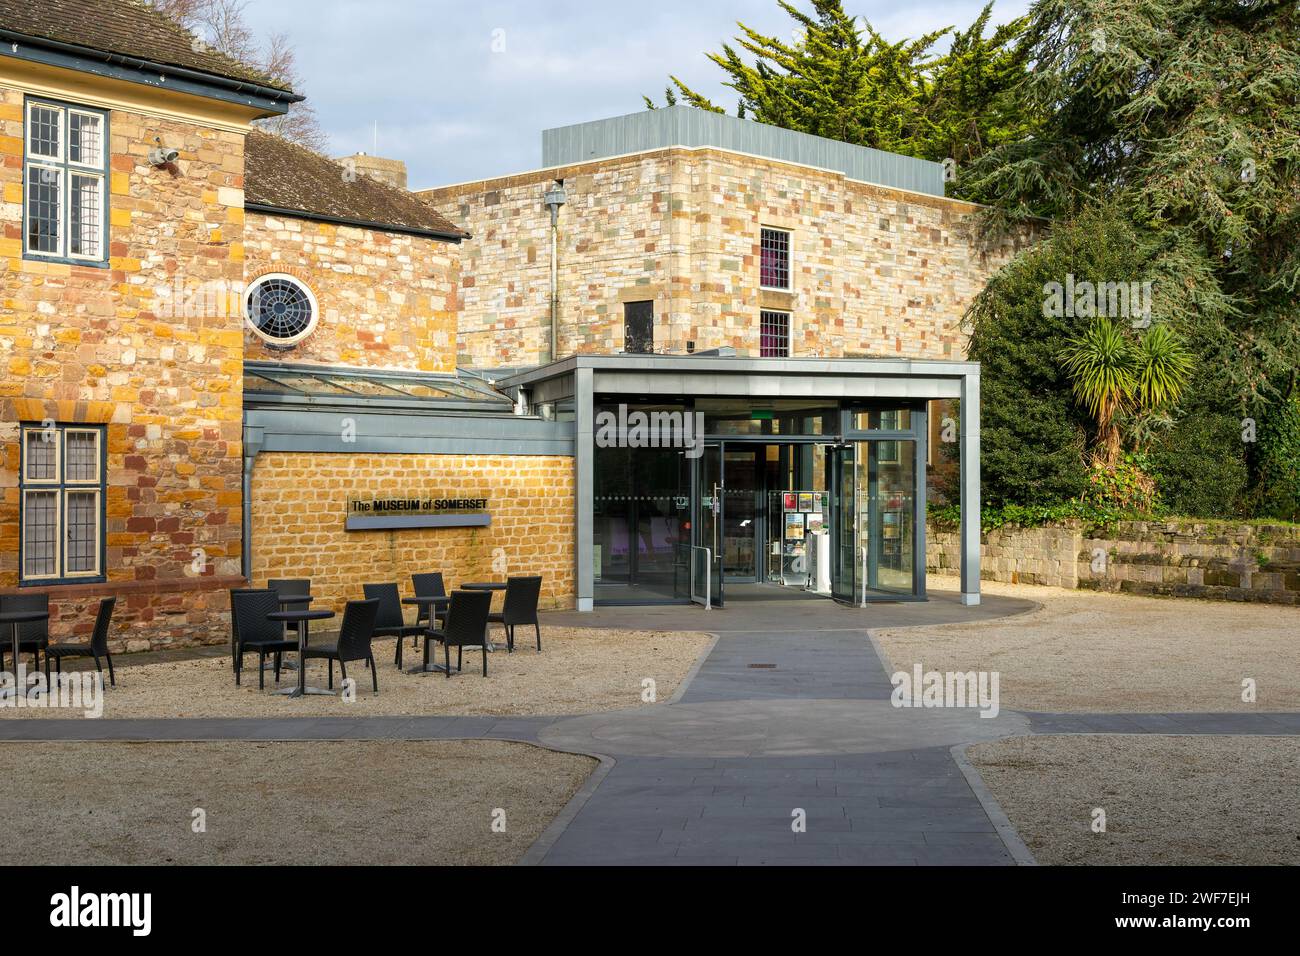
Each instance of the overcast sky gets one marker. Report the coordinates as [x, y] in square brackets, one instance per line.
[462, 90]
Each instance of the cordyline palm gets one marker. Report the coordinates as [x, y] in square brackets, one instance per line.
[1111, 373]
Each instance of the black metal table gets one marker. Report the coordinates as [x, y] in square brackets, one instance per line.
[431, 602]
[486, 586]
[288, 602]
[13, 619]
[302, 615]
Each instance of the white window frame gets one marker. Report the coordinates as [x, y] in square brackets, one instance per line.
[63, 488]
[63, 168]
[789, 261]
[270, 340]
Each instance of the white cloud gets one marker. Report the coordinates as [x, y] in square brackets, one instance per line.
[455, 110]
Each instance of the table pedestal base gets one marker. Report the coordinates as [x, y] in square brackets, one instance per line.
[431, 669]
[306, 691]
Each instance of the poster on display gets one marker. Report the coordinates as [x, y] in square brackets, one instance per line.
[816, 525]
[791, 501]
[794, 526]
[805, 501]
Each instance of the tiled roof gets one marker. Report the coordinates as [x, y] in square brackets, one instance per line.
[128, 27]
[283, 175]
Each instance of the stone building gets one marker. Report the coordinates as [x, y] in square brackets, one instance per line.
[155, 243]
[228, 359]
[708, 231]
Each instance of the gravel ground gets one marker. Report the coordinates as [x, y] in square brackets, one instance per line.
[337, 802]
[1089, 651]
[1167, 800]
[579, 671]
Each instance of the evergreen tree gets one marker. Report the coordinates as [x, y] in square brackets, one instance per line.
[847, 82]
[1183, 115]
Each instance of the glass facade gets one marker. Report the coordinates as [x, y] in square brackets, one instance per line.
[641, 530]
[795, 493]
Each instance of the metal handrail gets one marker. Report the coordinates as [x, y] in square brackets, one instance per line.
[708, 575]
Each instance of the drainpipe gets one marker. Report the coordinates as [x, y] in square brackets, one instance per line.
[253, 439]
[554, 199]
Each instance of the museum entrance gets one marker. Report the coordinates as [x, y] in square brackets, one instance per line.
[788, 499]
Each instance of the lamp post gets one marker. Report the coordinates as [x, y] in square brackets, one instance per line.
[554, 198]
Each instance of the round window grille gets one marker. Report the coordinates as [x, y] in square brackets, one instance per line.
[280, 309]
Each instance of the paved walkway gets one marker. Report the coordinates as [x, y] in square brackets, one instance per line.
[781, 748]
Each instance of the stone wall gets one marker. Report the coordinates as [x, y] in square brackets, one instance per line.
[300, 502]
[80, 344]
[386, 300]
[875, 271]
[1182, 558]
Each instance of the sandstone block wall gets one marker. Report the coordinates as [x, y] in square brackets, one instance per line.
[1181, 558]
[386, 300]
[876, 271]
[300, 501]
[100, 345]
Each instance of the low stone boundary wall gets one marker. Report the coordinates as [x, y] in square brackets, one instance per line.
[1219, 560]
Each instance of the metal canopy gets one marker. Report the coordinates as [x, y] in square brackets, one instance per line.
[582, 377]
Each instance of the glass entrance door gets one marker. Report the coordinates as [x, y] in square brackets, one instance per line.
[707, 516]
[886, 479]
[740, 512]
[845, 565]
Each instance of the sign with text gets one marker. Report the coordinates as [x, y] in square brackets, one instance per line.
[416, 511]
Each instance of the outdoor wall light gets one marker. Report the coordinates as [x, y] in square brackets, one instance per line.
[162, 155]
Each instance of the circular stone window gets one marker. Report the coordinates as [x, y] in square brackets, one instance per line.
[280, 309]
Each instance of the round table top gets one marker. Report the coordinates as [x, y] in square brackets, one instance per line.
[21, 617]
[301, 614]
[427, 599]
[485, 586]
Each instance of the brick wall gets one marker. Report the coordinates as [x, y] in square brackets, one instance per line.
[1180, 558]
[386, 300]
[876, 271]
[101, 345]
[299, 507]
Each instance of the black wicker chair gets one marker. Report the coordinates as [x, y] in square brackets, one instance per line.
[353, 643]
[291, 587]
[520, 607]
[388, 618]
[429, 585]
[33, 636]
[97, 648]
[251, 630]
[466, 626]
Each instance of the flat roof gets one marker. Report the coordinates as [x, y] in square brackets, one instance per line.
[701, 376]
[713, 364]
[694, 128]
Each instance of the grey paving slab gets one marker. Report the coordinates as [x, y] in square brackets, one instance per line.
[748, 819]
[1189, 723]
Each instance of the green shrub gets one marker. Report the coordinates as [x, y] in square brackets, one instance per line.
[1032, 432]
[1199, 466]
[1278, 461]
